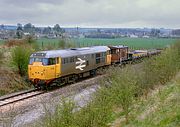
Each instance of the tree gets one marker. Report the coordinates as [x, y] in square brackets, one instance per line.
[58, 30]
[29, 28]
[155, 32]
[38, 30]
[2, 26]
[19, 31]
[20, 59]
[47, 30]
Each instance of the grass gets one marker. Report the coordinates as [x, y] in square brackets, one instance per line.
[124, 97]
[133, 43]
[11, 82]
[160, 109]
[49, 44]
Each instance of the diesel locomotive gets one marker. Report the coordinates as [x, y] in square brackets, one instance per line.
[66, 66]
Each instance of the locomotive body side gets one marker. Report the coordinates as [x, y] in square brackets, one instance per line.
[47, 66]
[85, 59]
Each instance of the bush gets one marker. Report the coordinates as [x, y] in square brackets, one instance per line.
[20, 59]
[124, 88]
[161, 69]
[63, 116]
[97, 113]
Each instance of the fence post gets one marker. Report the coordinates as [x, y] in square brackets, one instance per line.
[42, 45]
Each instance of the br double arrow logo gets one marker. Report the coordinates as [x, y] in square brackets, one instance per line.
[80, 64]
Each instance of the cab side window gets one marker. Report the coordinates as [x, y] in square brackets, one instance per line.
[98, 58]
[65, 60]
[52, 61]
[71, 59]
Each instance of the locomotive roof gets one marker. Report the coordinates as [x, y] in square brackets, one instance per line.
[70, 52]
[118, 46]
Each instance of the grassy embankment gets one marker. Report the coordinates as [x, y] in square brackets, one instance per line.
[13, 56]
[14, 59]
[161, 108]
[126, 97]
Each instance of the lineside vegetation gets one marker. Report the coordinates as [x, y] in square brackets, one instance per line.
[20, 59]
[119, 91]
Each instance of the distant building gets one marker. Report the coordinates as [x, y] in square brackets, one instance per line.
[133, 36]
[176, 32]
[26, 34]
[145, 36]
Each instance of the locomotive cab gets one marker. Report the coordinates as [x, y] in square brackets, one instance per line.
[42, 69]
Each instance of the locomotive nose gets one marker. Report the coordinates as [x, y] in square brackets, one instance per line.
[39, 71]
[36, 72]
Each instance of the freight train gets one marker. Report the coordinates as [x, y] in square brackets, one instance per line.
[69, 65]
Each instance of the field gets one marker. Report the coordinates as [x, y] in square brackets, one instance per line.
[131, 42]
[134, 43]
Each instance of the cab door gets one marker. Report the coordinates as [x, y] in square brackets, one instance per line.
[51, 68]
[58, 67]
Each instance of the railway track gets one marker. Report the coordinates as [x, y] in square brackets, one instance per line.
[19, 97]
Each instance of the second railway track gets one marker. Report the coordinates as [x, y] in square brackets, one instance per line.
[19, 97]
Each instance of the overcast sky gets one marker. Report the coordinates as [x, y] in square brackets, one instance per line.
[92, 13]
